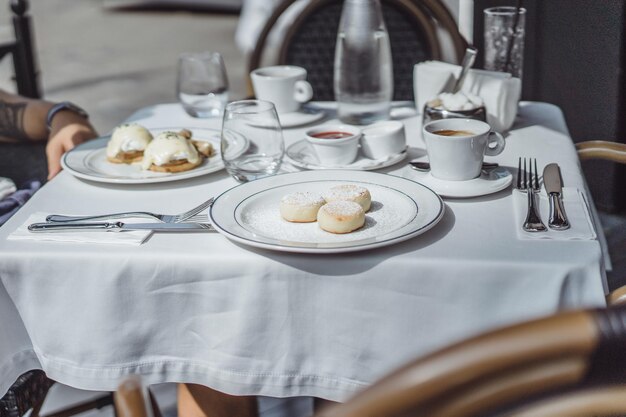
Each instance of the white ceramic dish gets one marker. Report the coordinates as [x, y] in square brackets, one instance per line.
[88, 161]
[334, 150]
[497, 180]
[302, 155]
[249, 213]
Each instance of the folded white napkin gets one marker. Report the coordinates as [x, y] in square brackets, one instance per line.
[127, 237]
[6, 187]
[581, 226]
[500, 92]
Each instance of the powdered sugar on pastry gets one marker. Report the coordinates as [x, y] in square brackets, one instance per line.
[301, 207]
[350, 192]
[341, 217]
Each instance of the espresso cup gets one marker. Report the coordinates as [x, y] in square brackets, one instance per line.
[456, 147]
[283, 85]
[334, 144]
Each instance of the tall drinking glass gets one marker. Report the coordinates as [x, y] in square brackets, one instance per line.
[202, 84]
[504, 39]
[252, 140]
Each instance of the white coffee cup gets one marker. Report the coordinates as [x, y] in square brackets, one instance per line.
[383, 139]
[283, 85]
[334, 145]
[456, 147]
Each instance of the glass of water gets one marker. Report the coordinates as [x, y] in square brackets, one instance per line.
[252, 140]
[202, 84]
[504, 39]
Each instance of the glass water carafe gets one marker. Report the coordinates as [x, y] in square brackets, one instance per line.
[363, 79]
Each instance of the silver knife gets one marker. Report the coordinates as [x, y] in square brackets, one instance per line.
[119, 226]
[554, 187]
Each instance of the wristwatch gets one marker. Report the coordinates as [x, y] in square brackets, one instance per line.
[63, 106]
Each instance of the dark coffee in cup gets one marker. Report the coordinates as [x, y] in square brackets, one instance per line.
[332, 135]
[451, 132]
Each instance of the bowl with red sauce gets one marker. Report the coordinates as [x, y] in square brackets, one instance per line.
[334, 145]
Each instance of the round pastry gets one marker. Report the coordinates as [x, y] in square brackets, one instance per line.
[341, 217]
[170, 152]
[349, 192]
[127, 144]
[301, 207]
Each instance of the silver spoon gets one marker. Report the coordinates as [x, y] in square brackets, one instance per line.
[468, 61]
[425, 166]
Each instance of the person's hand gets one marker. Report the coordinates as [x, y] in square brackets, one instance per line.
[68, 130]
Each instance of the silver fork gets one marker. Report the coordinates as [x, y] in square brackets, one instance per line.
[193, 215]
[529, 182]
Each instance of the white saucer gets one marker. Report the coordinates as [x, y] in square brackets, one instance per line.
[497, 179]
[301, 117]
[302, 155]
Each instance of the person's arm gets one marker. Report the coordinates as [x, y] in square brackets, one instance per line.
[23, 119]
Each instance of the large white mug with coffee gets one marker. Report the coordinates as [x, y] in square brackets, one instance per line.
[456, 147]
[283, 85]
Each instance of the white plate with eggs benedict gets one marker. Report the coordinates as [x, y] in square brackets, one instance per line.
[132, 154]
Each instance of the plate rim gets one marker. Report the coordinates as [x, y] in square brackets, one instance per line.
[505, 183]
[339, 249]
[150, 180]
[394, 159]
[318, 115]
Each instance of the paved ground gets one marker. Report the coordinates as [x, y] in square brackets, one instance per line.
[113, 63]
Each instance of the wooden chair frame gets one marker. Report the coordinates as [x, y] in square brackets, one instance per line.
[500, 368]
[601, 149]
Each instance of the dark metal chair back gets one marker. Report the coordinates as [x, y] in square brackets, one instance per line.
[22, 50]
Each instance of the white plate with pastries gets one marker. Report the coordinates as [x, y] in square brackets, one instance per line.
[397, 209]
[89, 161]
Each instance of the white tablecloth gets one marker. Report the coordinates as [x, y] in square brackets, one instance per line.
[200, 308]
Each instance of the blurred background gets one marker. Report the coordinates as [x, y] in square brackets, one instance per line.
[113, 60]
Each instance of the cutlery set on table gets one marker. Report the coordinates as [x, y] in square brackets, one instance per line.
[528, 182]
[189, 221]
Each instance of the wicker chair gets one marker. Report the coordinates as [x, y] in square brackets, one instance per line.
[29, 391]
[613, 152]
[310, 40]
[571, 363]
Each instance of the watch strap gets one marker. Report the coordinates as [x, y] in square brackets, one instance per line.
[64, 105]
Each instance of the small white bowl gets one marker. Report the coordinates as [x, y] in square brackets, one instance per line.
[334, 151]
[383, 139]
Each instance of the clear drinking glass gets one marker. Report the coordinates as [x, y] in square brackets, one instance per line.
[202, 84]
[252, 140]
[504, 46]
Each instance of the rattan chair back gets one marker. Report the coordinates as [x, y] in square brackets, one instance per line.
[311, 37]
